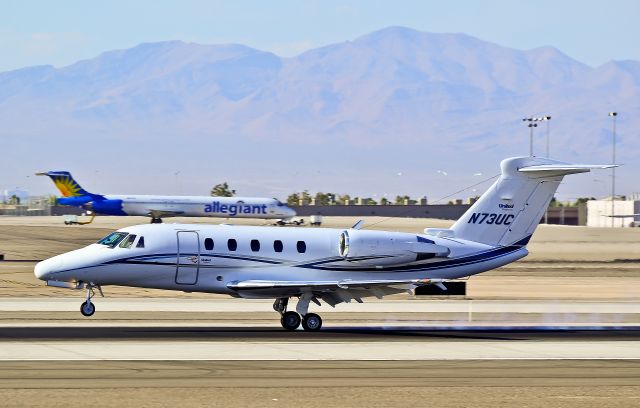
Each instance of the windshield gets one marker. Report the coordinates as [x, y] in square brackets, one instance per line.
[128, 241]
[112, 239]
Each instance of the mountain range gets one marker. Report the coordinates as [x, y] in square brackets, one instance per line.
[379, 114]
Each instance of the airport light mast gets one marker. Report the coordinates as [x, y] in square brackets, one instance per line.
[548, 120]
[613, 116]
[532, 124]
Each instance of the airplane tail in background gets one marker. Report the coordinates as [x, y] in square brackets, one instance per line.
[65, 182]
[511, 209]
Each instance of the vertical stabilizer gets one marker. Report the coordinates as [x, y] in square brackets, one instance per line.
[65, 182]
[510, 210]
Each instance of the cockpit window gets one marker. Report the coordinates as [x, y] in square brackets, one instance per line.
[112, 239]
[128, 241]
[279, 203]
[140, 243]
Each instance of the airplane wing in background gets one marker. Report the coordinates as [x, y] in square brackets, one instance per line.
[164, 213]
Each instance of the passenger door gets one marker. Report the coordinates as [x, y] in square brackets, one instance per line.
[188, 262]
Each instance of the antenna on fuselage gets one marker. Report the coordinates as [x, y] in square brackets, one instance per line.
[358, 225]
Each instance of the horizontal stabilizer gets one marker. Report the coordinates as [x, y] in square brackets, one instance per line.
[563, 169]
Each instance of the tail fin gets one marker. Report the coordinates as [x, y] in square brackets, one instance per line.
[510, 210]
[66, 183]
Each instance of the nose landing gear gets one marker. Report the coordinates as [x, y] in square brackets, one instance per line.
[87, 308]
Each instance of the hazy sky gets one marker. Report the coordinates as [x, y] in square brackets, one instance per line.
[62, 32]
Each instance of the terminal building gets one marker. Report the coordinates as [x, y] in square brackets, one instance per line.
[599, 213]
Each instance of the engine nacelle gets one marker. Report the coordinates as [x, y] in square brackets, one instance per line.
[73, 201]
[380, 248]
[106, 207]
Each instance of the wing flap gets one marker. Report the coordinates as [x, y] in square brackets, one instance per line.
[326, 285]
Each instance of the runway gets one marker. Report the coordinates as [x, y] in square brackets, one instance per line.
[236, 329]
[364, 343]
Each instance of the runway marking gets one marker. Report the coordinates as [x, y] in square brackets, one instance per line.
[315, 351]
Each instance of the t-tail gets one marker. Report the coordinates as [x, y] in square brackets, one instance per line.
[65, 182]
[72, 193]
[511, 209]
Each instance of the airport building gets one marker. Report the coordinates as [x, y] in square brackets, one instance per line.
[25, 206]
[599, 213]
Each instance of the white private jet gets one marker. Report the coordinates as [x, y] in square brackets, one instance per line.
[318, 264]
[157, 207]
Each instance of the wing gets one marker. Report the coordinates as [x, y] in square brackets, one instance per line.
[163, 213]
[332, 292]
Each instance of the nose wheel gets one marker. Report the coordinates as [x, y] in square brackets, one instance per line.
[87, 308]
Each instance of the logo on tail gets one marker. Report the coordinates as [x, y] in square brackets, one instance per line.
[66, 184]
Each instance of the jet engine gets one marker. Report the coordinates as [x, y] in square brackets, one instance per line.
[380, 248]
[73, 201]
[105, 207]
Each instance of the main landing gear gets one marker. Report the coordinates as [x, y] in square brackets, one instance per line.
[291, 320]
[156, 220]
[88, 308]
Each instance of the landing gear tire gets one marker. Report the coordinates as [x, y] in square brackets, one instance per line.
[311, 322]
[290, 320]
[87, 309]
[156, 220]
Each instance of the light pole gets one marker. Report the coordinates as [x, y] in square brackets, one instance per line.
[613, 115]
[547, 119]
[532, 124]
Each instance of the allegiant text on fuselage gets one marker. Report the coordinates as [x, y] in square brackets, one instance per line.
[235, 209]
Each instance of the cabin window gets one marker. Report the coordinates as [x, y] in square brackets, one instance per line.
[277, 245]
[302, 247]
[112, 239]
[208, 244]
[255, 245]
[128, 241]
[140, 243]
[232, 245]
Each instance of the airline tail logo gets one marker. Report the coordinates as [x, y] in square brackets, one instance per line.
[65, 183]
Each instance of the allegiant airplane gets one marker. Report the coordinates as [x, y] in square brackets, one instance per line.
[157, 207]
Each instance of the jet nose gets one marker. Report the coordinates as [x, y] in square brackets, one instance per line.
[44, 269]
